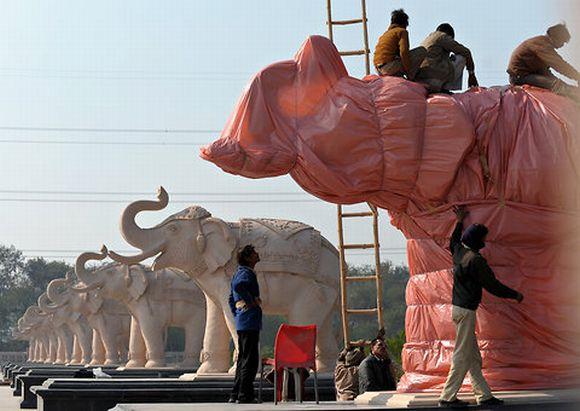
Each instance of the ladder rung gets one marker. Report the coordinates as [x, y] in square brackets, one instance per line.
[358, 246]
[361, 311]
[361, 278]
[345, 22]
[361, 214]
[354, 52]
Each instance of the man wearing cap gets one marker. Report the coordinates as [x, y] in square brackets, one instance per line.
[245, 304]
[471, 274]
[531, 61]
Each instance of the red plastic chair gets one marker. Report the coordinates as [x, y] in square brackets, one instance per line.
[295, 347]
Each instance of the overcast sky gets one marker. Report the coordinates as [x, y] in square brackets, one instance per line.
[123, 71]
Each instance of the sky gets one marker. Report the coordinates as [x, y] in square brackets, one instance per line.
[101, 102]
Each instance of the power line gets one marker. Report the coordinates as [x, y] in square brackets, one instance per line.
[56, 200]
[103, 143]
[144, 193]
[132, 251]
[110, 130]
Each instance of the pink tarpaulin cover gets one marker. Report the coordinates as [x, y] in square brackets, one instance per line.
[509, 154]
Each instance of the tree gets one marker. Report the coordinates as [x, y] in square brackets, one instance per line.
[21, 283]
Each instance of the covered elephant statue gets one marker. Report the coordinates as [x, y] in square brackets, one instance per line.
[510, 154]
[90, 316]
[156, 300]
[298, 271]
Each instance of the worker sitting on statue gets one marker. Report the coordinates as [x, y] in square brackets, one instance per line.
[392, 55]
[531, 61]
[442, 68]
[376, 372]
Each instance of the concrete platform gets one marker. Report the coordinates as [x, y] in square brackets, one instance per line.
[556, 400]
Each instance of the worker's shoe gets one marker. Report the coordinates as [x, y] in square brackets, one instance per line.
[491, 402]
[456, 403]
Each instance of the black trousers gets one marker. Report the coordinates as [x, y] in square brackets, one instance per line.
[247, 365]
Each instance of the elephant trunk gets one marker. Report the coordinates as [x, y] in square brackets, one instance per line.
[44, 304]
[52, 291]
[136, 236]
[83, 274]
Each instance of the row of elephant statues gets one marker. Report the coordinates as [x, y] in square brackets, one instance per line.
[120, 312]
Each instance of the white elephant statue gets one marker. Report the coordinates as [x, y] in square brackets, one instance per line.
[59, 320]
[156, 300]
[298, 272]
[39, 325]
[29, 332]
[108, 321]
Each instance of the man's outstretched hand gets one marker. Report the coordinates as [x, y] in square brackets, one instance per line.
[460, 212]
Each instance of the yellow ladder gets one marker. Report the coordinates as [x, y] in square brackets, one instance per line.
[345, 279]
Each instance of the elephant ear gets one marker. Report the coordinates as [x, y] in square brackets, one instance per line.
[218, 243]
[95, 302]
[136, 282]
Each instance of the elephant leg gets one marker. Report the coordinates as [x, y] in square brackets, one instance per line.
[76, 355]
[111, 349]
[193, 340]
[137, 354]
[153, 334]
[215, 356]
[69, 346]
[84, 335]
[53, 349]
[98, 357]
[61, 348]
[304, 313]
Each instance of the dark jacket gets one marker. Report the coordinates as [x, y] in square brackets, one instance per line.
[245, 288]
[375, 375]
[471, 273]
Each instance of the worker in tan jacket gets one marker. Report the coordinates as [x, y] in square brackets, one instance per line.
[392, 55]
[442, 68]
[531, 61]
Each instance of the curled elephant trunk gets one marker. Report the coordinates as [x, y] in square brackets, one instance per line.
[139, 237]
[90, 279]
[44, 304]
[53, 293]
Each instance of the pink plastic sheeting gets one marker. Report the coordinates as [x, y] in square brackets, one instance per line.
[381, 140]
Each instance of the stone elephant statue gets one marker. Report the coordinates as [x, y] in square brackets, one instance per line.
[59, 322]
[39, 325]
[31, 331]
[156, 301]
[71, 310]
[298, 272]
[89, 314]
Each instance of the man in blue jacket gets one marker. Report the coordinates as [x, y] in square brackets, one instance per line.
[245, 304]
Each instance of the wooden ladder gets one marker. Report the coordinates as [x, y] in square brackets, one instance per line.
[345, 279]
